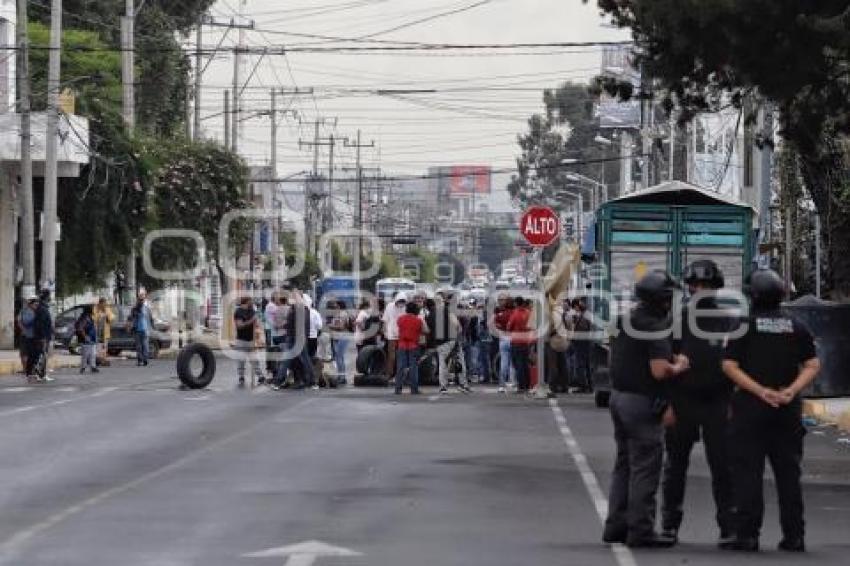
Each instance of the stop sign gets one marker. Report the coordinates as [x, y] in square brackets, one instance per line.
[540, 226]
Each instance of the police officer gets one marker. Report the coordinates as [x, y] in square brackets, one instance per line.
[641, 359]
[699, 402]
[771, 363]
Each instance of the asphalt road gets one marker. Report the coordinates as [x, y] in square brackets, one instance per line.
[125, 469]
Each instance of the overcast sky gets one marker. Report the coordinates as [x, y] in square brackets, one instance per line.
[483, 98]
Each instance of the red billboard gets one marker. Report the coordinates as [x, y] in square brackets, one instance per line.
[464, 180]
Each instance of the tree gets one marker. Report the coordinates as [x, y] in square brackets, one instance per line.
[559, 141]
[161, 64]
[793, 53]
[104, 209]
[194, 186]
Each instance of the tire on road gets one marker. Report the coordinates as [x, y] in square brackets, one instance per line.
[184, 366]
[371, 360]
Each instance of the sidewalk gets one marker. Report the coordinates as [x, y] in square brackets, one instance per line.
[829, 411]
[10, 362]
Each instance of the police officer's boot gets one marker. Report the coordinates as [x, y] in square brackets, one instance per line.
[792, 545]
[741, 544]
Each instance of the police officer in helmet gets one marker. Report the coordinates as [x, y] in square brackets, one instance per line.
[642, 359]
[771, 364]
[699, 402]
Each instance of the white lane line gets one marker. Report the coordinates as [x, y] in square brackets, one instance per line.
[30, 408]
[623, 555]
[13, 543]
[22, 389]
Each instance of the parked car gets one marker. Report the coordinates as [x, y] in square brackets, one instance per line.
[122, 338]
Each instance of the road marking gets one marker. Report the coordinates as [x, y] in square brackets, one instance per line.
[30, 408]
[623, 555]
[14, 542]
[16, 389]
[303, 554]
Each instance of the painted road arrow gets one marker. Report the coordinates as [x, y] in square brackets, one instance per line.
[303, 553]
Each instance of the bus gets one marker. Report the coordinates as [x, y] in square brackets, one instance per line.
[387, 289]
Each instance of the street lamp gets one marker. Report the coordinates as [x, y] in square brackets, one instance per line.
[600, 187]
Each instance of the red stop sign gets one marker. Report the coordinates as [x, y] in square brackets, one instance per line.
[540, 226]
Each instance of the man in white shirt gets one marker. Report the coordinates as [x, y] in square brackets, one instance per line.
[390, 320]
[274, 334]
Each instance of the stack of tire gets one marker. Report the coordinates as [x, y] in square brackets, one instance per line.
[371, 363]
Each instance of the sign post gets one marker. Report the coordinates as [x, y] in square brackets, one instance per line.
[540, 226]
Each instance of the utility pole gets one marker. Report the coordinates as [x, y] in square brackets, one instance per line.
[232, 120]
[358, 210]
[128, 76]
[127, 64]
[226, 118]
[199, 38]
[273, 135]
[789, 245]
[27, 249]
[48, 229]
[237, 87]
[311, 199]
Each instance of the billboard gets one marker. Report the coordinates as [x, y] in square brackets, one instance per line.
[463, 180]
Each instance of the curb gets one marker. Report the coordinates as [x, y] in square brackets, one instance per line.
[13, 367]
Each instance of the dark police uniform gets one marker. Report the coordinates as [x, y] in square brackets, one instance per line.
[700, 400]
[771, 352]
[636, 409]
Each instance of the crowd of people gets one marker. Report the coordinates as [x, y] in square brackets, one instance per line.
[463, 343]
[92, 332]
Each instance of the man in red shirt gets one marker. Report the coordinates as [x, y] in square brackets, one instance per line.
[410, 330]
[521, 340]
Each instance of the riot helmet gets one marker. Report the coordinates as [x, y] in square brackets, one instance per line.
[656, 289]
[704, 272]
[765, 288]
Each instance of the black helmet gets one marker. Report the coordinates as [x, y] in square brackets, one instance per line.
[706, 272]
[656, 287]
[765, 287]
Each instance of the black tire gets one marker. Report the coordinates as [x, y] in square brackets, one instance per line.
[428, 372]
[154, 348]
[375, 380]
[112, 352]
[371, 360]
[602, 399]
[184, 366]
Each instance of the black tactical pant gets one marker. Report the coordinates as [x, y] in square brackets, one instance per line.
[634, 484]
[763, 433]
[708, 420]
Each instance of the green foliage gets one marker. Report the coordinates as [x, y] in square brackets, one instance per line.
[564, 131]
[195, 185]
[793, 53]
[161, 66]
